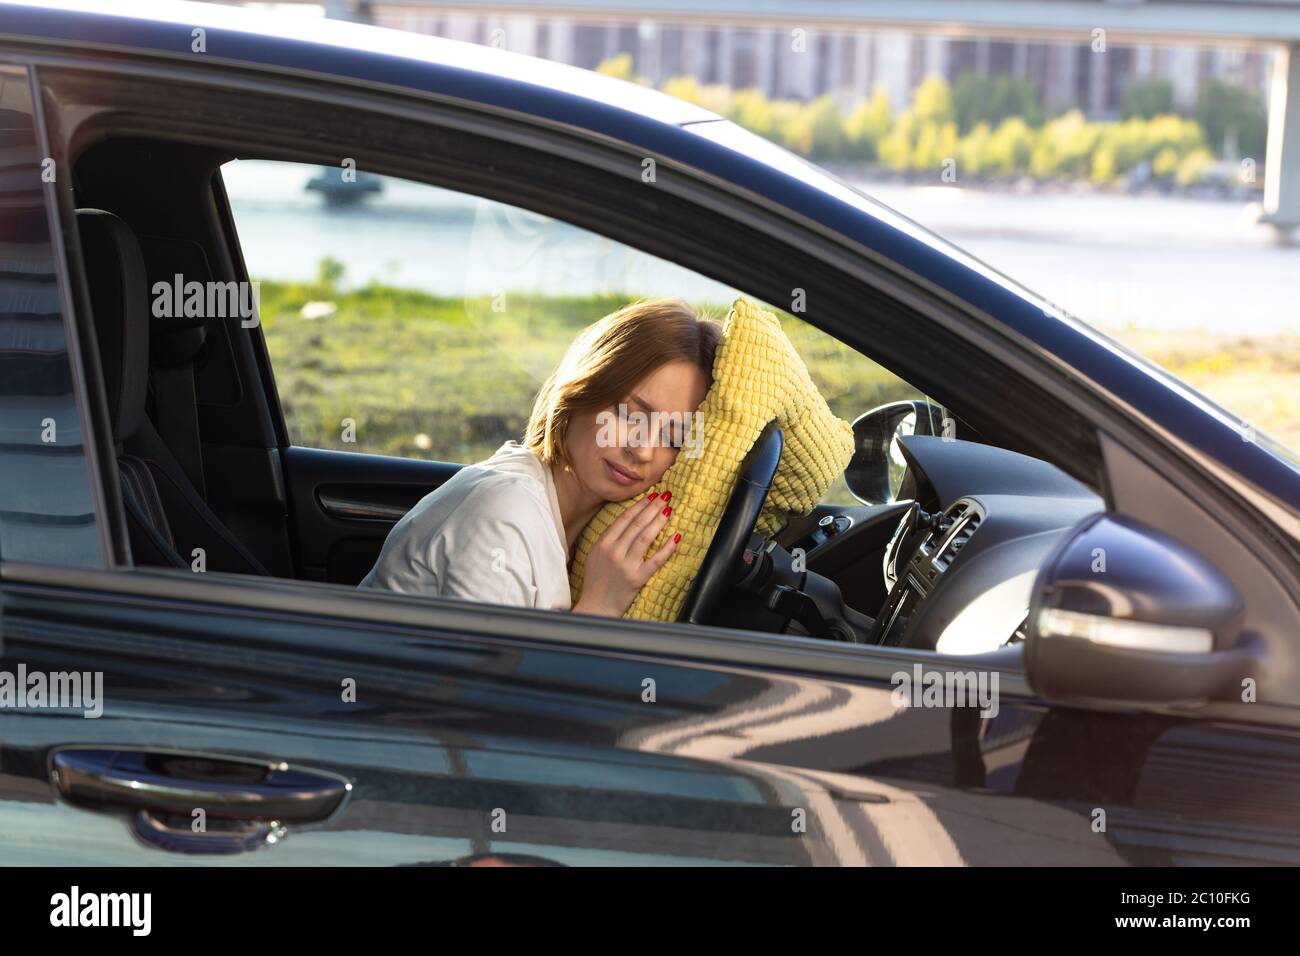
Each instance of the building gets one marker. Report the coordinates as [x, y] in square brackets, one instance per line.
[802, 64]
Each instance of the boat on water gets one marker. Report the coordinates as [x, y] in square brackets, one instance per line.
[345, 187]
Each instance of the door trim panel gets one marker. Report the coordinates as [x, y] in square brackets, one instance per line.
[343, 504]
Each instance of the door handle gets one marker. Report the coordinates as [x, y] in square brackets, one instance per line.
[340, 506]
[247, 802]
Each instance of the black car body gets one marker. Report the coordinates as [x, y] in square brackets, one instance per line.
[315, 724]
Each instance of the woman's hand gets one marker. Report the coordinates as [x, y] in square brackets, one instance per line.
[617, 566]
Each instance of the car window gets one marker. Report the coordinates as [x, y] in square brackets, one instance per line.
[404, 319]
[46, 510]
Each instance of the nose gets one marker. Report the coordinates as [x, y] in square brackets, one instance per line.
[639, 452]
[635, 444]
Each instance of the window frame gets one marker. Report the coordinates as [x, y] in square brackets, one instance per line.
[695, 196]
[266, 368]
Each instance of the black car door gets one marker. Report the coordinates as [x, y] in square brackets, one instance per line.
[426, 743]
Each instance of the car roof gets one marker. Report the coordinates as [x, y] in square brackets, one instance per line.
[667, 127]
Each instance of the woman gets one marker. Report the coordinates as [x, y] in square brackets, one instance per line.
[504, 530]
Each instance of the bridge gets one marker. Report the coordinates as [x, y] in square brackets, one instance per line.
[1273, 25]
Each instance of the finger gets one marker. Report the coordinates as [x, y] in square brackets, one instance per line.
[660, 557]
[619, 525]
[645, 537]
[642, 511]
[651, 519]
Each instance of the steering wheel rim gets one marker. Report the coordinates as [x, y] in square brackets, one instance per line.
[721, 567]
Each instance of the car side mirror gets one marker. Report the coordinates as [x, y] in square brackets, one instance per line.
[1123, 612]
[875, 472]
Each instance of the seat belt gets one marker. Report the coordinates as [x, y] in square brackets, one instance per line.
[176, 406]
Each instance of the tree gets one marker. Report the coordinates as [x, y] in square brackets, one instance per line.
[752, 110]
[1148, 97]
[1105, 164]
[1194, 166]
[991, 99]
[684, 88]
[1065, 146]
[896, 146]
[329, 271]
[1165, 163]
[713, 97]
[932, 101]
[818, 130]
[1231, 113]
[1011, 146]
[619, 67]
[868, 124]
[936, 143]
[973, 150]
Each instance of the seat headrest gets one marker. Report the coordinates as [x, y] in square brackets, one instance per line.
[119, 297]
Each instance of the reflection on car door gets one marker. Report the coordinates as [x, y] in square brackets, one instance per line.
[458, 744]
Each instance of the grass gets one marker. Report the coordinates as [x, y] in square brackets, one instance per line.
[1254, 376]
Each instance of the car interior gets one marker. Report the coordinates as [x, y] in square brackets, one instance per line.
[210, 479]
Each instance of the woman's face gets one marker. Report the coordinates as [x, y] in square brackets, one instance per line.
[619, 452]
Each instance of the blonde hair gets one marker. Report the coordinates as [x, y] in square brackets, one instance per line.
[608, 358]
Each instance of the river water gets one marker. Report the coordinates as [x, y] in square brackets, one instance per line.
[1150, 261]
[1115, 260]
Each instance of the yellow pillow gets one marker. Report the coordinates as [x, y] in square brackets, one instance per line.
[757, 377]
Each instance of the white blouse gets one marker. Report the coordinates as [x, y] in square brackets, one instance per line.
[491, 533]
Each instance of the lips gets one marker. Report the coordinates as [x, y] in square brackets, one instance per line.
[621, 475]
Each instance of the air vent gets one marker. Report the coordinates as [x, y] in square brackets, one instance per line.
[965, 518]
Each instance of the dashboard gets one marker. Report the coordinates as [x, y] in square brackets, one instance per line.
[960, 566]
[950, 563]
[947, 564]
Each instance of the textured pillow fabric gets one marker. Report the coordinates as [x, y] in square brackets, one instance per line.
[757, 377]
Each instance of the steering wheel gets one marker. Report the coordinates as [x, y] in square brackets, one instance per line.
[722, 567]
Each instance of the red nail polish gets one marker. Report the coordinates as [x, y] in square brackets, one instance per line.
[654, 496]
[667, 495]
[668, 511]
[677, 537]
